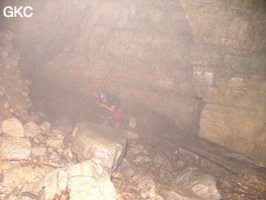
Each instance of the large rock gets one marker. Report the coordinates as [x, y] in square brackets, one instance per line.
[13, 127]
[55, 141]
[15, 149]
[31, 129]
[39, 152]
[94, 184]
[18, 176]
[232, 127]
[86, 180]
[197, 183]
[100, 143]
[45, 128]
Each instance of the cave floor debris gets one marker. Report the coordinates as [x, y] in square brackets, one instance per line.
[32, 151]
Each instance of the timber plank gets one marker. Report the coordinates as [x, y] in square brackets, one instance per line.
[230, 160]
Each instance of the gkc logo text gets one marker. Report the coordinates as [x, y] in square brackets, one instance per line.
[21, 11]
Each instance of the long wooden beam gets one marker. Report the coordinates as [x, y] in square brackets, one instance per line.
[224, 157]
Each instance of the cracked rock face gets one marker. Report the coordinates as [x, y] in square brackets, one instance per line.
[228, 60]
[102, 144]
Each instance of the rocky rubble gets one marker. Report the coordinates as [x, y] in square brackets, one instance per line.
[30, 165]
[148, 174]
[35, 164]
[38, 159]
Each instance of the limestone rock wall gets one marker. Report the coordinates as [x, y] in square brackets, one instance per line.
[228, 59]
[14, 92]
[139, 49]
[166, 55]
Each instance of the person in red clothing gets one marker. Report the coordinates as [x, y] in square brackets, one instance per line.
[112, 104]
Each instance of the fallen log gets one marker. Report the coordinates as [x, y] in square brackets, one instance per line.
[228, 159]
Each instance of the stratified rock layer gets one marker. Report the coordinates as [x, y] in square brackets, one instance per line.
[139, 49]
[228, 60]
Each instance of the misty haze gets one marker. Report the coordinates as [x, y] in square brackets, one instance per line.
[132, 100]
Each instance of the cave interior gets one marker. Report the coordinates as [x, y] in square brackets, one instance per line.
[190, 74]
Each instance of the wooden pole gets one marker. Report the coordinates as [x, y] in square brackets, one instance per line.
[228, 159]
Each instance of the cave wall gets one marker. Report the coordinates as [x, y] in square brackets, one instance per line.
[139, 49]
[228, 58]
[166, 55]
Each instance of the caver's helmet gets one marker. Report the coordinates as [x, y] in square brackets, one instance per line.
[104, 95]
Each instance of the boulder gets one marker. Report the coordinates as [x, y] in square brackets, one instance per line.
[55, 141]
[86, 180]
[13, 127]
[39, 152]
[200, 184]
[31, 129]
[102, 144]
[19, 176]
[15, 149]
[89, 180]
[45, 128]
